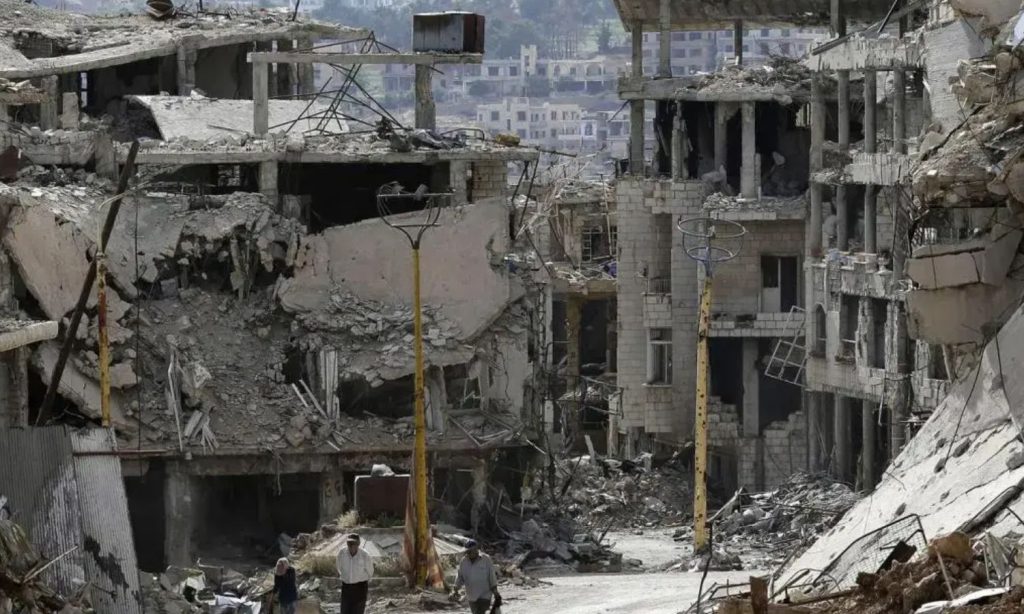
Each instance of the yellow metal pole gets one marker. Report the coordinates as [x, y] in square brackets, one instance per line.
[101, 327]
[700, 453]
[420, 452]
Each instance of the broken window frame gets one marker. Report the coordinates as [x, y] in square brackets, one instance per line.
[659, 357]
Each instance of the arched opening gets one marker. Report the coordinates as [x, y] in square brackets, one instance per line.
[820, 333]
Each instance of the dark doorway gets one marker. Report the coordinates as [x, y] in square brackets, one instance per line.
[146, 510]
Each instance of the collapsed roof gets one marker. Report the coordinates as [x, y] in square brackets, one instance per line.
[37, 41]
[700, 14]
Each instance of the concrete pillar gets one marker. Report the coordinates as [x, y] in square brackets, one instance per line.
[426, 111]
[867, 454]
[180, 502]
[305, 71]
[842, 452]
[478, 495]
[870, 111]
[48, 114]
[748, 172]
[899, 111]
[665, 39]
[871, 219]
[636, 107]
[69, 115]
[268, 182]
[723, 111]
[680, 169]
[260, 99]
[815, 220]
[842, 219]
[815, 424]
[737, 40]
[843, 115]
[332, 496]
[902, 347]
[457, 181]
[270, 67]
[751, 389]
[186, 70]
[870, 147]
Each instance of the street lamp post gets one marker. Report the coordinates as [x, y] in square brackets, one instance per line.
[389, 198]
[701, 232]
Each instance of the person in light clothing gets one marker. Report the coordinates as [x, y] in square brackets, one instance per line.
[355, 568]
[477, 574]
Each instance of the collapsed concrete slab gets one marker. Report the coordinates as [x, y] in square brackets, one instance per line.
[960, 472]
[201, 118]
[980, 261]
[459, 276]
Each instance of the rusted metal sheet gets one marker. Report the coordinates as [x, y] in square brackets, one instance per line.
[108, 548]
[381, 495]
[37, 476]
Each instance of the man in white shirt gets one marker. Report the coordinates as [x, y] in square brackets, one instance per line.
[355, 568]
[477, 574]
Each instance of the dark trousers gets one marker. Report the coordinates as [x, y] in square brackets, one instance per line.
[480, 606]
[353, 597]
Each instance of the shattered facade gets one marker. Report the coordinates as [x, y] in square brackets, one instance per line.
[259, 310]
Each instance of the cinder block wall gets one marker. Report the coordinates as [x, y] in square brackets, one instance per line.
[738, 281]
[490, 179]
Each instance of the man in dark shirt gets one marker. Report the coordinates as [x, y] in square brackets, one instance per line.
[284, 586]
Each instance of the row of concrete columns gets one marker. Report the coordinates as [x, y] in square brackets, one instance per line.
[841, 456]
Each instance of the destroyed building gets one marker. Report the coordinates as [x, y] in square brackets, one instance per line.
[812, 365]
[259, 310]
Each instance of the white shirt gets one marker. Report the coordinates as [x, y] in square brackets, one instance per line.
[354, 569]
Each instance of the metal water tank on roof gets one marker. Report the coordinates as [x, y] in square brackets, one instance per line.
[448, 32]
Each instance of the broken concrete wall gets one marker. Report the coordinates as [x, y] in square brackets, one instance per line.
[985, 260]
[964, 459]
[964, 314]
[785, 449]
[458, 263]
[490, 180]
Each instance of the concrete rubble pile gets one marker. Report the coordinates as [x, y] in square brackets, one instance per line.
[22, 589]
[952, 577]
[560, 544]
[770, 527]
[782, 74]
[622, 494]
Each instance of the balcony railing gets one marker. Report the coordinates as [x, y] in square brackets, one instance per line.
[659, 285]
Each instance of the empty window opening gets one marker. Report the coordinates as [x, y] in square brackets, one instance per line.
[145, 495]
[343, 194]
[107, 87]
[776, 399]
[593, 336]
[880, 310]
[598, 242]
[725, 359]
[242, 516]
[223, 72]
[848, 316]
[209, 180]
[559, 334]
[462, 388]
[937, 363]
[783, 147]
[659, 356]
[779, 283]
[820, 331]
